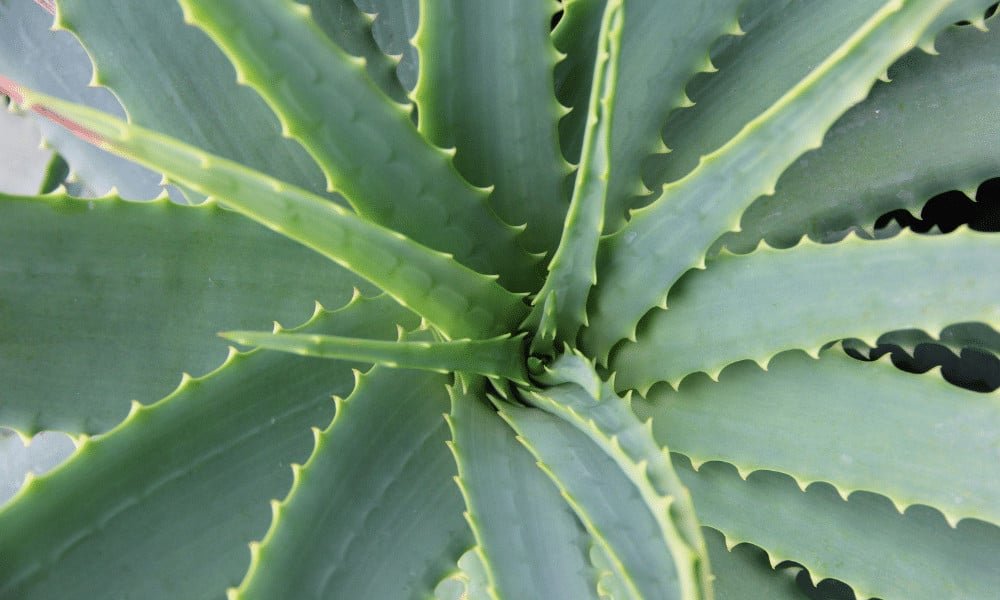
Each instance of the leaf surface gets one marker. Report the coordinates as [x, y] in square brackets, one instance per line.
[105, 301]
[576, 37]
[485, 89]
[605, 501]
[572, 272]
[396, 22]
[638, 264]
[54, 62]
[164, 505]
[582, 399]
[726, 313]
[858, 541]
[856, 425]
[374, 512]
[144, 53]
[461, 302]
[664, 44]
[943, 110]
[723, 101]
[500, 357]
[366, 144]
[744, 573]
[352, 30]
[529, 543]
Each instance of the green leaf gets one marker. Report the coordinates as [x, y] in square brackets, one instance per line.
[604, 499]
[485, 89]
[395, 24]
[637, 265]
[529, 543]
[800, 417]
[366, 144]
[864, 541]
[743, 573]
[726, 313]
[651, 83]
[461, 302]
[500, 357]
[374, 512]
[576, 37]
[144, 53]
[942, 109]
[724, 102]
[168, 500]
[351, 29]
[572, 272]
[54, 62]
[105, 301]
[611, 426]
[468, 582]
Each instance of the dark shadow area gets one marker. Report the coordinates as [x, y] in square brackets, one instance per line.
[951, 210]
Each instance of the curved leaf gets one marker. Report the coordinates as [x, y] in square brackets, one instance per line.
[352, 30]
[163, 505]
[801, 417]
[580, 397]
[499, 357]
[604, 499]
[572, 272]
[460, 301]
[664, 44]
[529, 543]
[858, 541]
[395, 24]
[723, 102]
[54, 62]
[639, 264]
[485, 89]
[743, 573]
[576, 37]
[366, 144]
[944, 110]
[374, 512]
[143, 52]
[727, 312]
[105, 301]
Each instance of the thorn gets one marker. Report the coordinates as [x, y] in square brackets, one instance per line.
[843, 493]
[24, 437]
[135, 407]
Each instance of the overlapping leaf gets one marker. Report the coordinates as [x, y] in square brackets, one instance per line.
[728, 312]
[106, 301]
[639, 264]
[170, 498]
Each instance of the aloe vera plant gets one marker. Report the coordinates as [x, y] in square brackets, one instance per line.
[611, 277]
